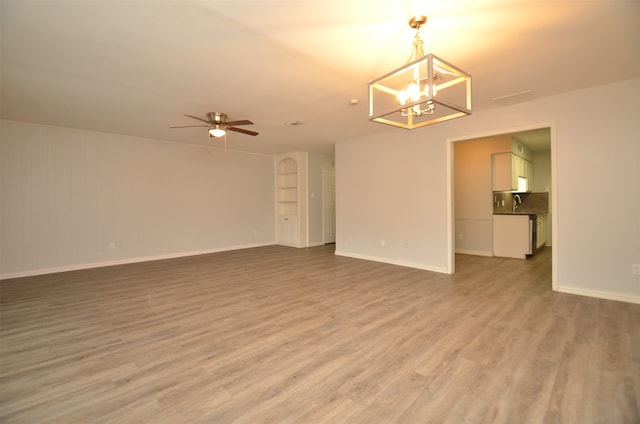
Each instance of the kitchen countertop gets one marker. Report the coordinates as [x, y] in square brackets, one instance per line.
[522, 213]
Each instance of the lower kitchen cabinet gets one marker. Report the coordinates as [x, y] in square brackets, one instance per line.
[511, 236]
[541, 230]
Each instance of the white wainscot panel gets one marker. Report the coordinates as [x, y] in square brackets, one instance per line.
[473, 236]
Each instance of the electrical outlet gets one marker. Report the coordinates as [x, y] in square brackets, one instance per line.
[112, 245]
[635, 269]
[383, 242]
[405, 244]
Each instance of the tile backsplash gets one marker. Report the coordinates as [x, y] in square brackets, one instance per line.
[531, 202]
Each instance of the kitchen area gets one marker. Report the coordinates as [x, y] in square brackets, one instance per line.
[502, 194]
[519, 215]
[520, 221]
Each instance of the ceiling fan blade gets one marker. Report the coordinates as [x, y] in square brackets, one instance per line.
[189, 126]
[240, 130]
[243, 122]
[199, 119]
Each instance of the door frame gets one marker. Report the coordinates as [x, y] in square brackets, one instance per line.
[325, 173]
[554, 192]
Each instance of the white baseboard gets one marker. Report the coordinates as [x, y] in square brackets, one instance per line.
[474, 252]
[30, 273]
[391, 261]
[599, 294]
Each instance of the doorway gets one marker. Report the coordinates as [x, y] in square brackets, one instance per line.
[471, 207]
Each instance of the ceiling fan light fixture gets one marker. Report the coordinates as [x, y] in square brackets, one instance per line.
[425, 91]
[218, 125]
[217, 131]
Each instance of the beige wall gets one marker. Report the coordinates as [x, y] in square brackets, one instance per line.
[397, 186]
[73, 199]
[472, 178]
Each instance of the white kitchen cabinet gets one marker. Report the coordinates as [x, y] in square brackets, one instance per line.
[541, 230]
[517, 170]
[506, 168]
[528, 171]
[511, 236]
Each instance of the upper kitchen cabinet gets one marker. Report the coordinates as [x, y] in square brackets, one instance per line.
[511, 172]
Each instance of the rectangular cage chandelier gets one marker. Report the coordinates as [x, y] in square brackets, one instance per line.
[425, 91]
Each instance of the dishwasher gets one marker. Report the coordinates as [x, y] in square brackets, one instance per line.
[533, 234]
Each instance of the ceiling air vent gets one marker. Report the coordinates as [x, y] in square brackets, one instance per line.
[512, 99]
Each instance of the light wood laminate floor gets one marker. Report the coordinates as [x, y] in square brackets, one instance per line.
[283, 335]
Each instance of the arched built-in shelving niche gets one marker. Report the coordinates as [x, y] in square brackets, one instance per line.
[288, 187]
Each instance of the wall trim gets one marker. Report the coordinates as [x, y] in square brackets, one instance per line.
[599, 294]
[54, 270]
[391, 261]
[475, 252]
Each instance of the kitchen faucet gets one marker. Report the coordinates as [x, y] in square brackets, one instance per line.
[516, 200]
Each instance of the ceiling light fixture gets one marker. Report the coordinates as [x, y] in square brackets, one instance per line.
[217, 131]
[425, 91]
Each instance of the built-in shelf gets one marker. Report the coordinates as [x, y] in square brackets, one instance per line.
[288, 187]
[291, 199]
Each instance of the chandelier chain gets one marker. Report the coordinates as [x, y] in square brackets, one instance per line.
[417, 51]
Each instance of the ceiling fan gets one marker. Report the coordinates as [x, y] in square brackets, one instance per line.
[218, 125]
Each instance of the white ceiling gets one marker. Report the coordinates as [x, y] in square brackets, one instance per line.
[536, 140]
[136, 67]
